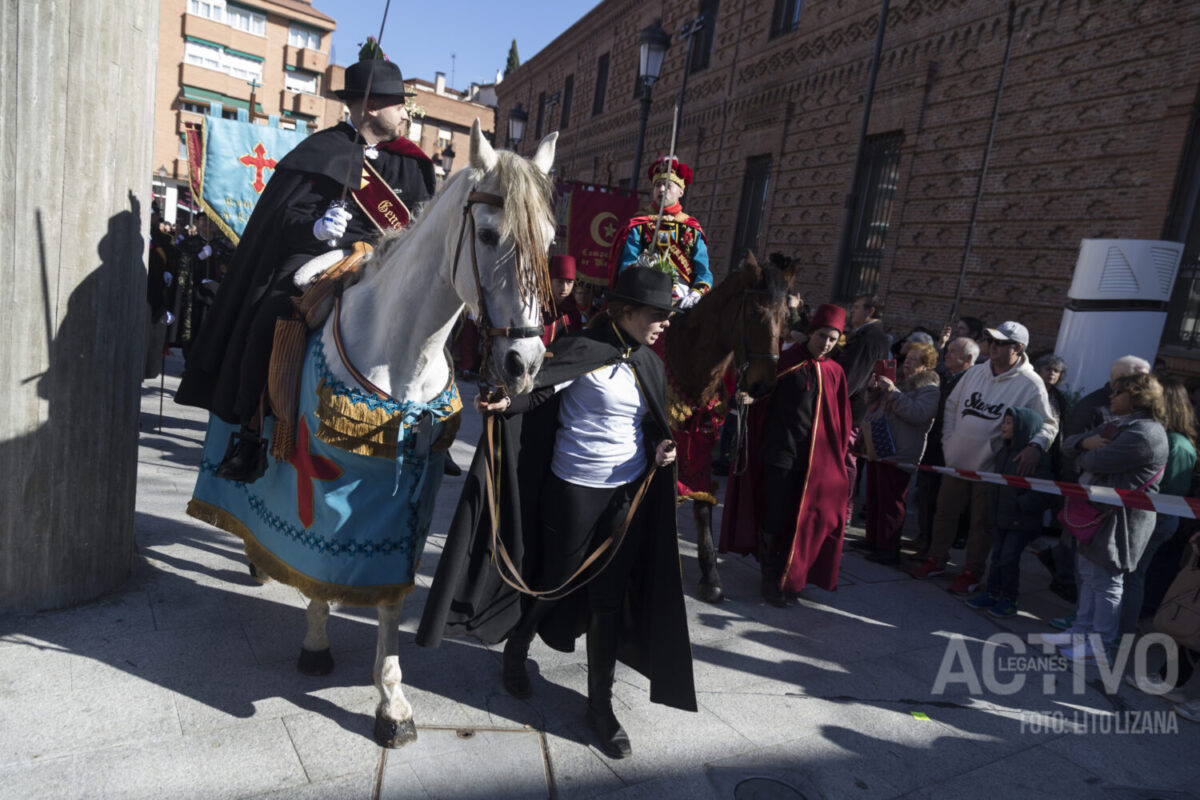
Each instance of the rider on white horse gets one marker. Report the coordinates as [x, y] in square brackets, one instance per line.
[296, 219]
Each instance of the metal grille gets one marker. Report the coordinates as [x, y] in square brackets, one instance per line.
[878, 178]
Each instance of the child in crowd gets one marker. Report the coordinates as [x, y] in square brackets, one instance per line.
[1017, 513]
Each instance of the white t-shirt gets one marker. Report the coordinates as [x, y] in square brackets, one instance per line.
[599, 441]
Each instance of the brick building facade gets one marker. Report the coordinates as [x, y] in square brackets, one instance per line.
[1094, 129]
[449, 114]
[210, 51]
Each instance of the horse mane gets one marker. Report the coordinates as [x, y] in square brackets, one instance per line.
[527, 217]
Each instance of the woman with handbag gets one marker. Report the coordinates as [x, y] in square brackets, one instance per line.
[1128, 453]
[899, 421]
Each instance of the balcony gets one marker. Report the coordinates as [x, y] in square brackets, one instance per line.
[305, 58]
[219, 33]
[310, 105]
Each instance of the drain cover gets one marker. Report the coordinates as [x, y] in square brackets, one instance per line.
[765, 789]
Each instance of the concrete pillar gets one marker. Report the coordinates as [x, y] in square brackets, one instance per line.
[76, 127]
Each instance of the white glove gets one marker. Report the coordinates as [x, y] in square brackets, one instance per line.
[689, 300]
[205, 252]
[167, 277]
[679, 291]
[332, 225]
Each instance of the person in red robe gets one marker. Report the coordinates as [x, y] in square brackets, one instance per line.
[565, 317]
[788, 507]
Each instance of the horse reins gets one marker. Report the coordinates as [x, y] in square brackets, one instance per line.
[485, 322]
[741, 442]
[492, 469]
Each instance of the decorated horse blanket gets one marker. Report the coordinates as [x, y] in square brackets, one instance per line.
[345, 518]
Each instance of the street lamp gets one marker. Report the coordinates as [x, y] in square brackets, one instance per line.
[517, 118]
[652, 47]
[448, 157]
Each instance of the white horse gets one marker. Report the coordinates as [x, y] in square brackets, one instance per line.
[380, 361]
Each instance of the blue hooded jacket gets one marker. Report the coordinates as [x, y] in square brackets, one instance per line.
[1020, 509]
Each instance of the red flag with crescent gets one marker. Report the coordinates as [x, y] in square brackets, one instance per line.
[596, 214]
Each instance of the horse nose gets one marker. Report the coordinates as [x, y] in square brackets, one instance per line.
[514, 365]
[759, 389]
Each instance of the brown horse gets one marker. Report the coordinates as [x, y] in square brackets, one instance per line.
[737, 324]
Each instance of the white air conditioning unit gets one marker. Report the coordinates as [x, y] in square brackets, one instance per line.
[1116, 306]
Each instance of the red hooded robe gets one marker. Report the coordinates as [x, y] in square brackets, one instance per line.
[815, 553]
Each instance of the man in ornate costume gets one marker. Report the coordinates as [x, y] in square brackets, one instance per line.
[679, 238]
[296, 219]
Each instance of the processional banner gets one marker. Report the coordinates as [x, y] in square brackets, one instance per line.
[230, 162]
[594, 215]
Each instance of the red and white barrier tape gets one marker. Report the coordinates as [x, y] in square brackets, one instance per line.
[1187, 507]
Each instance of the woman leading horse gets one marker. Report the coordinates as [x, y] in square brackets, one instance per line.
[586, 540]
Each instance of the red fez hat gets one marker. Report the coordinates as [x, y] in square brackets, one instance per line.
[681, 173]
[829, 316]
[563, 267]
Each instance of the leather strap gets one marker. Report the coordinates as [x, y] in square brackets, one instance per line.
[514, 580]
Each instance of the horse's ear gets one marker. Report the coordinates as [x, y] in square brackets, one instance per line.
[483, 157]
[543, 159]
[750, 264]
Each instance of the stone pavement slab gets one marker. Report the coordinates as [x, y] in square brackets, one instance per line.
[183, 684]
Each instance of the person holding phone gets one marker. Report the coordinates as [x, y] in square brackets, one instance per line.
[907, 410]
[594, 476]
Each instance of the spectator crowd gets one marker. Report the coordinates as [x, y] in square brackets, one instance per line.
[974, 398]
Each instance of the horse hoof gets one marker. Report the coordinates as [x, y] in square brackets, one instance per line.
[711, 592]
[261, 577]
[315, 662]
[393, 733]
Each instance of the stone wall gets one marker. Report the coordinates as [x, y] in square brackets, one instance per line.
[75, 164]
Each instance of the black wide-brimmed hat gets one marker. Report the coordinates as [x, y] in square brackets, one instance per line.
[643, 286]
[387, 80]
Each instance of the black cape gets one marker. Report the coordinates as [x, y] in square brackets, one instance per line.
[863, 348]
[278, 239]
[468, 596]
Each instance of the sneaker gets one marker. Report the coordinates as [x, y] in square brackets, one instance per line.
[1003, 608]
[967, 582]
[1189, 710]
[1063, 623]
[1154, 688]
[983, 600]
[931, 568]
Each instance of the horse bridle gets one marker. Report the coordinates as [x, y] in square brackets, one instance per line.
[740, 438]
[485, 322]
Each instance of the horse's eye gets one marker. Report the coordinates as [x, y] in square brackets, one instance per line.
[489, 237]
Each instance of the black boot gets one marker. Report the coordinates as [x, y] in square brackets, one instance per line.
[772, 570]
[602, 669]
[706, 554]
[450, 468]
[245, 458]
[514, 673]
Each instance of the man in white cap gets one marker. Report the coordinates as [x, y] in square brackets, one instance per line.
[971, 434]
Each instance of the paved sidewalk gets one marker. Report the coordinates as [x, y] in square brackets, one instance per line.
[184, 685]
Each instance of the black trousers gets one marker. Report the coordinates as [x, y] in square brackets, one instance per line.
[575, 519]
[781, 504]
